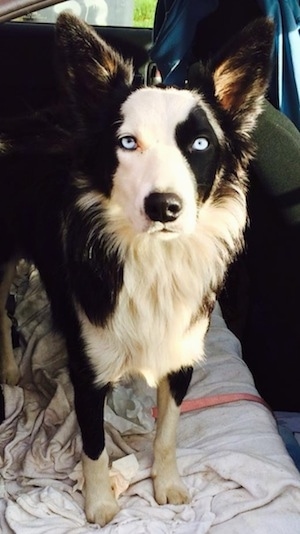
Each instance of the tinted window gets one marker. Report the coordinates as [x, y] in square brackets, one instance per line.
[130, 13]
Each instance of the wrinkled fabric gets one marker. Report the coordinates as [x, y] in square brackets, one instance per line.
[231, 457]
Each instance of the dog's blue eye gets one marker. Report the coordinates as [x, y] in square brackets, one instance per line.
[128, 142]
[201, 143]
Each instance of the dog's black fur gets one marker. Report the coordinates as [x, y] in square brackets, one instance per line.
[58, 175]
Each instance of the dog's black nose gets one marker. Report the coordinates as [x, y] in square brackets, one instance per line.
[163, 207]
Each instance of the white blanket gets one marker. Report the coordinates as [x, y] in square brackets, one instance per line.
[240, 477]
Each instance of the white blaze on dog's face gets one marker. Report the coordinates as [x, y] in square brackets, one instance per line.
[167, 154]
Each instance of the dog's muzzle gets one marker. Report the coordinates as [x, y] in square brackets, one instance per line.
[163, 207]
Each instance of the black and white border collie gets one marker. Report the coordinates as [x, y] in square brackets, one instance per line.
[132, 203]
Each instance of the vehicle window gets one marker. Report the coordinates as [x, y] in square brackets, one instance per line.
[130, 13]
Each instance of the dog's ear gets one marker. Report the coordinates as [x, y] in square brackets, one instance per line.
[90, 71]
[242, 69]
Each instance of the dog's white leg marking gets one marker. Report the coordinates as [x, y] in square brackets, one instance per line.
[100, 503]
[9, 371]
[168, 487]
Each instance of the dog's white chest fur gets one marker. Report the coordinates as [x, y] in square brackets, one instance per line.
[152, 331]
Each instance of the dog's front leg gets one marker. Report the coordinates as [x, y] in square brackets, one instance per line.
[168, 487]
[100, 503]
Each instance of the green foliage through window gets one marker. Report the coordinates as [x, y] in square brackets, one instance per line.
[143, 15]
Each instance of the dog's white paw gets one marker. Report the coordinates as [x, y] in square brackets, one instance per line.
[100, 502]
[170, 492]
[10, 374]
[101, 513]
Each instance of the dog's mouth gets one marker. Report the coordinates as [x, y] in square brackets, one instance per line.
[163, 229]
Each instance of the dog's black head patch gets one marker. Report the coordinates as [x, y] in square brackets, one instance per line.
[200, 146]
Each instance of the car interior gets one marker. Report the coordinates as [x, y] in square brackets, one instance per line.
[259, 303]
